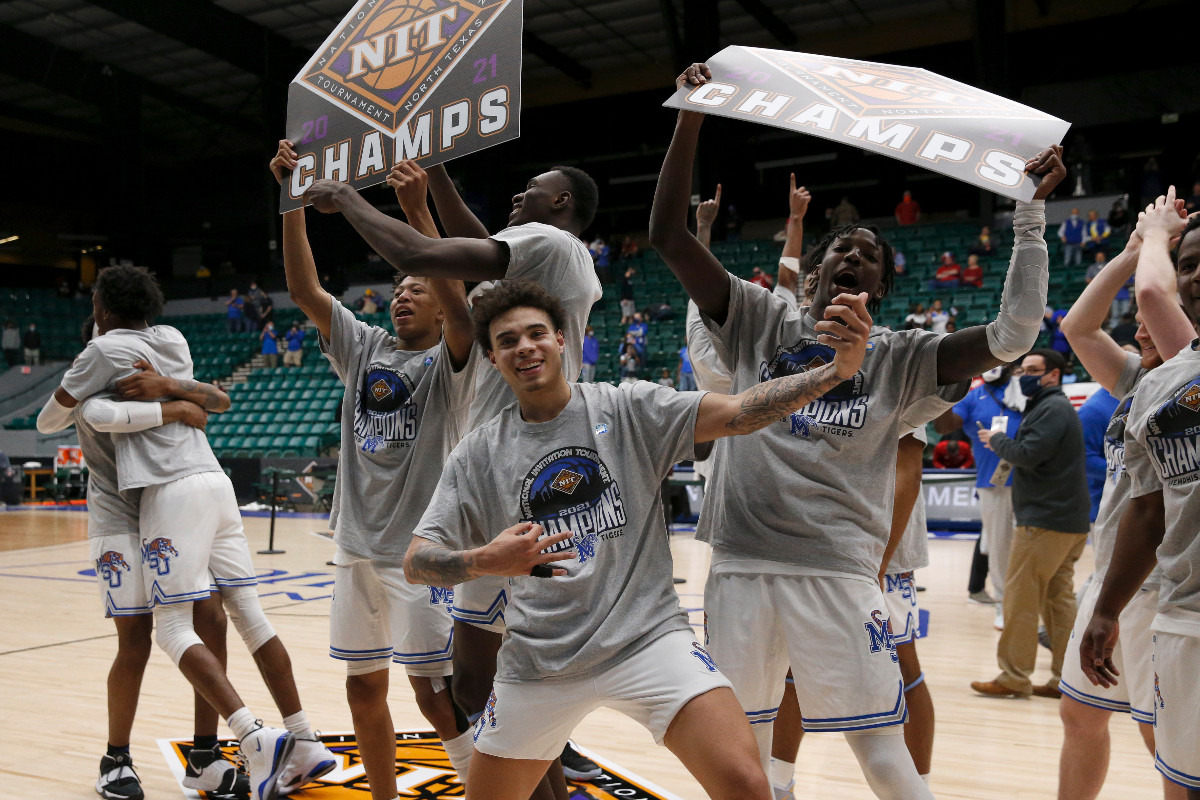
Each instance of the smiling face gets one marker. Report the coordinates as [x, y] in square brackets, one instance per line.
[852, 263]
[414, 311]
[544, 196]
[1150, 355]
[526, 348]
[1187, 273]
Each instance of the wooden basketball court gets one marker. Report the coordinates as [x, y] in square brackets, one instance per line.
[56, 648]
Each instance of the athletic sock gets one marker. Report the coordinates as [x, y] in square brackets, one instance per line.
[118, 751]
[242, 723]
[205, 742]
[298, 724]
[781, 772]
[460, 749]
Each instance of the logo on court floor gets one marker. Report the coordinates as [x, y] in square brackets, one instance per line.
[109, 566]
[423, 772]
[157, 554]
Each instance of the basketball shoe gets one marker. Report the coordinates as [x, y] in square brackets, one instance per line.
[209, 771]
[266, 751]
[117, 779]
[310, 760]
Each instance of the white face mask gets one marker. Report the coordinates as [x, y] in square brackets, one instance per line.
[993, 374]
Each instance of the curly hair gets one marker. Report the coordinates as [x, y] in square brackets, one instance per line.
[584, 193]
[817, 255]
[507, 296]
[130, 293]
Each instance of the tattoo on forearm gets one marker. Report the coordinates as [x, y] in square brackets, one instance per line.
[436, 565]
[212, 400]
[773, 400]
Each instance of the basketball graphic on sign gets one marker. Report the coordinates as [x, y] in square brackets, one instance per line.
[406, 27]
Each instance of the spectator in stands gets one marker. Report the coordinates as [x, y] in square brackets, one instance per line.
[1058, 340]
[1118, 218]
[591, 354]
[1095, 415]
[733, 223]
[270, 345]
[953, 454]
[664, 378]
[255, 295]
[33, 346]
[63, 289]
[630, 364]
[627, 304]
[686, 378]
[972, 274]
[1152, 182]
[12, 343]
[368, 303]
[1094, 268]
[1192, 204]
[1122, 302]
[938, 318]
[1095, 233]
[1070, 233]
[1124, 332]
[948, 275]
[908, 211]
[601, 260]
[234, 312]
[917, 318]
[266, 309]
[984, 244]
[629, 248]
[760, 278]
[900, 262]
[295, 346]
[637, 328]
[844, 213]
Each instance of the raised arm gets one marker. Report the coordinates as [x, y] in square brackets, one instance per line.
[149, 385]
[909, 457]
[1083, 325]
[701, 274]
[402, 246]
[1156, 290]
[411, 184]
[304, 286]
[793, 245]
[964, 354]
[456, 218]
[706, 215]
[760, 405]
[516, 551]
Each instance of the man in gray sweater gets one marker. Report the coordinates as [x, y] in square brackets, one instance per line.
[1050, 503]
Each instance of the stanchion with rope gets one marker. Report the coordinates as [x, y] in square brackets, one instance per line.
[275, 473]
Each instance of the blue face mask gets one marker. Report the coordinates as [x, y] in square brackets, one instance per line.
[1030, 384]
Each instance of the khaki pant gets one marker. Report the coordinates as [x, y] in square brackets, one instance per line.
[996, 513]
[291, 358]
[1041, 579]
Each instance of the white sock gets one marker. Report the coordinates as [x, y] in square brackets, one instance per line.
[298, 724]
[460, 749]
[242, 723]
[781, 772]
[925, 778]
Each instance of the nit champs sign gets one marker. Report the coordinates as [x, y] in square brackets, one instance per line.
[902, 112]
[423, 79]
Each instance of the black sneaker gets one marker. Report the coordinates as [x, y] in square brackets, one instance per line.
[117, 779]
[209, 771]
[577, 767]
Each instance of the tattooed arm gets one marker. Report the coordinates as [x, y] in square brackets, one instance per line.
[149, 385]
[516, 551]
[764, 403]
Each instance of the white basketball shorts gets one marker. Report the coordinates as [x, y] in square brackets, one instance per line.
[901, 597]
[1176, 698]
[481, 602]
[118, 563]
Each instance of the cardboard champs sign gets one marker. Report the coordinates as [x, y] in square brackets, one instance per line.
[906, 113]
[423, 79]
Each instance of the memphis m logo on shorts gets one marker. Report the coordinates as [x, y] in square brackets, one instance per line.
[702, 655]
[488, 718]
[879, 633]
[158, 553]
[439, 595]
[109, 566]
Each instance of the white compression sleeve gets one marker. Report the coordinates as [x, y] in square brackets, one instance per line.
[54, 417]
[1023, 303]
[115, 416]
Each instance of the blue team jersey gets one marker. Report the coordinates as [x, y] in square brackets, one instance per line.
[981, 405]
[1095, 415]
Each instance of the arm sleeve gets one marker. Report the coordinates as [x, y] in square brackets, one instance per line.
[664, 423]
[54, 417]
[1040, 437]
[114, 416]
[1023, 300]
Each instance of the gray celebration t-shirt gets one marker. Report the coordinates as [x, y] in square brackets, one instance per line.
[812, 493]
[109, 513]
[560, 264]
[913, 551]
[402, 413]
[157, 455]
[1162, 453]
[595, 470]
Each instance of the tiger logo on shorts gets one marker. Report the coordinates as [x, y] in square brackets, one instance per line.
[704, 658]
[109, 566]
[158, 554]
[488, 718]
[879, 632]
[1158, 698]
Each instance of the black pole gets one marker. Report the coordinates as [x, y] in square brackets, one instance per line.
[271, 551]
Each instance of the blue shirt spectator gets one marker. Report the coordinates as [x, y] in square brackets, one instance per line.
[295, 339]
[1095, 415]
[235, 312]
[687, 380]
[591, 354]
[638, 328]
[981, 405]
[270, 343]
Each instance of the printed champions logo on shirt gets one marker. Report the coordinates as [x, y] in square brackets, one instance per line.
[386, 415]
[392, 53]
[1174, 435]
[571, 489]
[842, 409]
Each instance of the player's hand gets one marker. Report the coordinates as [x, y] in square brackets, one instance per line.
[144, 385]
[846, 328]
[323, 195]
[517, 550]
[706, 212]
[1048, 164]
[284, 161]
[695, 75]
[1166, 215]
[186, 412]
[411, 184]
[798, 199]
[1096, 648]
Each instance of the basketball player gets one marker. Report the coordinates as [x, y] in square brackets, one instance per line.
[406, 405]
[115, 550]
[180, 480]
[541, 243]
[1162, 440]
[778, 576]
[569, 476]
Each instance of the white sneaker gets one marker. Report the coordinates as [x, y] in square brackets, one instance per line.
[266, 751]
[784, 792]
[209, 771]
[998, 622]
[310, 760]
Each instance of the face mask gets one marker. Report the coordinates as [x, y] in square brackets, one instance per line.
[1031, 385]
[993, 374]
